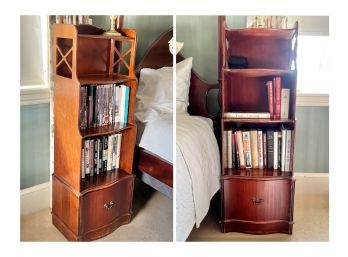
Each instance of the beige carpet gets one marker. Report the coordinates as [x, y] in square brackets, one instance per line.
[311, 216]
[152, 220]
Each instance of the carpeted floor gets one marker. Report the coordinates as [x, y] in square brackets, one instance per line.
[152, 220]
[311, 217]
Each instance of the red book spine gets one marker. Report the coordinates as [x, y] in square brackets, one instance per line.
[277, 94]
[269, 85]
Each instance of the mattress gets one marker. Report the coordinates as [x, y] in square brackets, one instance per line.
[197, 171]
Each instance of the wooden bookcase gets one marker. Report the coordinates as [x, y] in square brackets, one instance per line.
[91, 207]
[256, 200]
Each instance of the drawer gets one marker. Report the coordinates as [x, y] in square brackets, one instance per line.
[257, 200]
[102, 207]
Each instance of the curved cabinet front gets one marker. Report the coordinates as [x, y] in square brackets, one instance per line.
[104, 210]
[257, 206]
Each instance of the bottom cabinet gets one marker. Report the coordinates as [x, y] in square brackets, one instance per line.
[104, 210]
[257, 206]
[95, 212]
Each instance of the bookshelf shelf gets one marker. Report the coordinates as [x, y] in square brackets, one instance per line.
[88, 79]
[102, 180]
[105, 130]
[257, 180]
[264, 173]
[256, 72]
[94, 84]
[259, 121]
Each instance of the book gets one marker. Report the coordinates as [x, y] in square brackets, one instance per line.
[114, 151]
[233, 150]
[264, 141]
[87, 155]
[275, 150]
[83, 162]
[225, 149]
[288, 150]
[247, 115]
[285, 103]
[118, 153]
[247, 149]
[110, 146]
[91, 157]
[229, 149]
[277, 97]
[260, 148]
[240, 150]
[270, 90]
[283, 131]
[270, 151]
[254, 149]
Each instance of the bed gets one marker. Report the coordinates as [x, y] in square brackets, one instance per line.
[197, 152]
[153, 160]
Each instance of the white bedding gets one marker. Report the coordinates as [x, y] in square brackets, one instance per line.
[197, 171]
[156, 136]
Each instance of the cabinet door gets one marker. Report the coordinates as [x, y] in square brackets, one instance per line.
[257, 200]
[101, 208]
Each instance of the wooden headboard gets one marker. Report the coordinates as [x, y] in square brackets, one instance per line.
[199, 89]
[158, 56]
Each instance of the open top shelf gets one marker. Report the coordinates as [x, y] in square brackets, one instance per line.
[257, 72]
[103, 180]
[286, 34]
[255, 173]
[105, 130]
[103, 78]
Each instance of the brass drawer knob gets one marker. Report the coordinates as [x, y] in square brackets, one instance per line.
[255, 200]
[109, 205]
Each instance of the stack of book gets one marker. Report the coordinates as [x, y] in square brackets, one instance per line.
[99, 155]
[73, 19]
[103, 105]
[258, 149]
[278, 104]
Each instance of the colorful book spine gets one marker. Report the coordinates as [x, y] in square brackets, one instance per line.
[277, 97]
[247, 149]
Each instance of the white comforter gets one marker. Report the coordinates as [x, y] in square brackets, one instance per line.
[156, 136]
[197, 171]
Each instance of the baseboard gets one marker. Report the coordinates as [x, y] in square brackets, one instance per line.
[312, 174]
[35, 198]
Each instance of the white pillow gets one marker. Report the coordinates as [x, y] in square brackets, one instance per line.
[183, 77]
[154, 95]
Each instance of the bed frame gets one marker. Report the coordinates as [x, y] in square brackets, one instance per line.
[158, 56]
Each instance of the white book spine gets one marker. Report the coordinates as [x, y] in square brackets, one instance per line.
[109, 164]
[229, 149]
[118, 157]
[224, 148]
[288, 150]
[114, 151]
[247, 115]
[260, 148]
[254, 149]
[283, 149]
[275, 150]
[285, 101]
